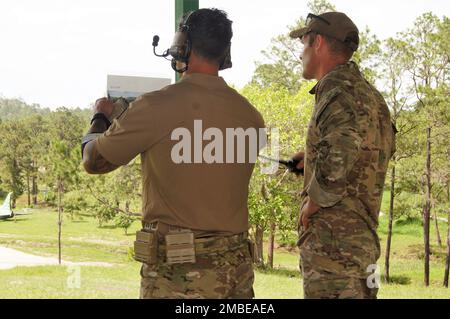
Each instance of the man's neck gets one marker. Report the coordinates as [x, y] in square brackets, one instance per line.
[202, 71]
[203, 68]
[326, 68]
[200, 65]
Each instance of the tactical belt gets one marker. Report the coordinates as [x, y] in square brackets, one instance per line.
[179, 245]
[216, 244]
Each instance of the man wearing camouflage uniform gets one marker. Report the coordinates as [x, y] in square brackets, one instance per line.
[349, 143]
[195, 216]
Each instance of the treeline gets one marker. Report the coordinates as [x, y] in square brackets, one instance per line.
[14, 109]
[31, 138]
[40, 155]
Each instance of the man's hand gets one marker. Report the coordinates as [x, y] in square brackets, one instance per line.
[309, 209]
[93, 161]
[105, 106]
[300, 157]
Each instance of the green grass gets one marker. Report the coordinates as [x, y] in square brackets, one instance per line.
[53, 282]
[84, 241]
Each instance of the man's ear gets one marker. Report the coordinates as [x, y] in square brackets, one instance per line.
[319, 44]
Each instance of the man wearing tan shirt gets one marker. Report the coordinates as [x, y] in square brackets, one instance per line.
[195, 217]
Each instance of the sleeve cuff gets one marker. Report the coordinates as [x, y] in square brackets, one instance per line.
[321, 197]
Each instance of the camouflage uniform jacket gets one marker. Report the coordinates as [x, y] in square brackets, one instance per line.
[349, 143]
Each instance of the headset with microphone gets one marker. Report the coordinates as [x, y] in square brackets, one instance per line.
[181, 47]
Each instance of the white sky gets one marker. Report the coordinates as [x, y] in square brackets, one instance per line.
[59, 52]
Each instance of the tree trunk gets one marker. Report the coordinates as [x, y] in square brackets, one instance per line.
[426, 212]
[34, 188]
[447, 262]
[259, 239]
[391, 220]
[271, 245]
[14, 182]
[59, 219]
[260, 230]
[438, 234]
[28, 190]
[127, 210]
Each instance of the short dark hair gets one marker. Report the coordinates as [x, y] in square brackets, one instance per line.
[337, 48]
[210, 33]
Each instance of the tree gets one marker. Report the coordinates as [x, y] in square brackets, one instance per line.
[447, 260]
[367, 55]
[396, 95]
[62, 163]
[35, 133]
[115, 195]
[12, 152]
[124, 221]
[74, 203]
[283, 67]
[64, 166]
[271, 209]
[13, 109]
[65, 125]
[272, 204]
[428, 64]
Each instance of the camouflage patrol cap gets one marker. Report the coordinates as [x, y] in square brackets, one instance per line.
[336, 25]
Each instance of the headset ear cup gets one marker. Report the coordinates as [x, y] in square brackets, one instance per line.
[226, 61]
[186, 29]
[174, 66]
[187, 52]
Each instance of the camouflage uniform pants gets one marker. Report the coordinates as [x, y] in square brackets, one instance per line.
[335, 254]
[227, 273]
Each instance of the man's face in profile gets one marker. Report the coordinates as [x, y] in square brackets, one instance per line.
[308, 57]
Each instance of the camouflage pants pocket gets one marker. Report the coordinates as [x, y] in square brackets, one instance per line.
[244, 277]
[238, 267]
[317, 252]
[357, 245]
[303, 236]
[318, 238]
[216, 276]
[335, 257]
[148, 280]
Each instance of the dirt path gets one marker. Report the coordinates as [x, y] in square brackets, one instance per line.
[10, 258]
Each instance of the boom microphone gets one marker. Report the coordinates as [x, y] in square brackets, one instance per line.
[155, 40]
[155, 44]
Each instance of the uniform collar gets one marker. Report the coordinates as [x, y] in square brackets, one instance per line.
[314, 88]
[350, 64]
[206, 80]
